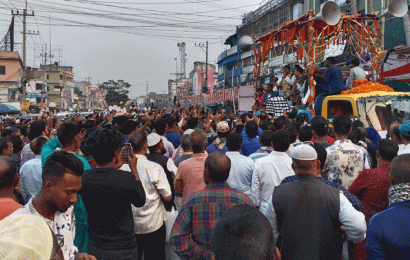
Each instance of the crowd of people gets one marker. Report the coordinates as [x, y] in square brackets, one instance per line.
[292, 91]
[190, 184]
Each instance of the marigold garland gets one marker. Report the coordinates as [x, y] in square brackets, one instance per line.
[364, 86]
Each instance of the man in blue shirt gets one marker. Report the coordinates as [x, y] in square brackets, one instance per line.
[250, 143]
[172, 134]
[388, 231]
[333, 84]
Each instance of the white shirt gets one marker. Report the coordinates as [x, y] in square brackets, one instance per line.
[26, 154]
[31, 178]
[168, 146]
[349, 217]
[114, 107]
[152, 215]
[63, 226]
[121, 111]
[269, 173]
[405, 150]
[344, 162]
[240, 175]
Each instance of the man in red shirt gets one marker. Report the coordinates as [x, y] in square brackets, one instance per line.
[372, 186]
[8, 181]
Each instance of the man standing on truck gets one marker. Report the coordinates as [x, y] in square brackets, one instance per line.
[355, 73]
[333, 84]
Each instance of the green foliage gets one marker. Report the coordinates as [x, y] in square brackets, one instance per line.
[116, 91]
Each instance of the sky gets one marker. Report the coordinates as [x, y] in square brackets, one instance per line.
[132, 40]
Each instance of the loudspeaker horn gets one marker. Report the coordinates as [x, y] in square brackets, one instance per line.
[397, 8]
[245, 43]
[330, 14]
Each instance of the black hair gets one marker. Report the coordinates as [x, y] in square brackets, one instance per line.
[7, 173]
[279, 122]
[251, 129]
[138, 140]
[17, 143]
[301, 118]
[388, 149]
[36, 129]
[160, 126]
[332, 60]
[280, 141]
[320, 125]
[60, 163]
[170, 122]
[198, 141]
[192, 122]
[266, 138]
[287, 67]
[243, 233]
[37, 144]
[266, 125]
[67, 131]
[24, 130]
[292, 132]
[305, 134]
[357, 123]
[4, 143]
[270, 84]
[356, 62]
[234, 141]
[396, 132]
[104, 143]
[218, 166]
[299, 68]
[400, 169]
[321, 154]
[355, 135]
[342, 125]
[259, 89]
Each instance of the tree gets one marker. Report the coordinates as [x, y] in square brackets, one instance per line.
[116, 91]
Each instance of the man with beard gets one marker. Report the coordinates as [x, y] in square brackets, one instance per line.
[156, 154]
[62, 173]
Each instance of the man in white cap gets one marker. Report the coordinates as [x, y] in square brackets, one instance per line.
[156, 154]
[121, 110]
[28, 237]
[222, 130]
[308, 216]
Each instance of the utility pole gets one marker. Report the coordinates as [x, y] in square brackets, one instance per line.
[23, 79]
[201, 45]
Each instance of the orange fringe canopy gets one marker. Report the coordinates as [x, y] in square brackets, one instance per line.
[312, 38]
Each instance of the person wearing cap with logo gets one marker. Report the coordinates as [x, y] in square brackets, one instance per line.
[121, 110]
[405, 137]
[308, 216]
[222, 130]
[156, 154]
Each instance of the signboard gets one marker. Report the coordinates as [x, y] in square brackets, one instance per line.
[25, 106]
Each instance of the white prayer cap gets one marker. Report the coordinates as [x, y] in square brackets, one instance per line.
[303, 152]
[153, 139]
[25, 237]
[188, 131]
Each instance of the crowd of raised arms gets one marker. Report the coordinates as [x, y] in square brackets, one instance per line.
[132, 183]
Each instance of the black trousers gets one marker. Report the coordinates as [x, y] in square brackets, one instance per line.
[152, 245]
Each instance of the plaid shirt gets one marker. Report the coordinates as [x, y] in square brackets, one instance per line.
[276, 106]
[191, 233]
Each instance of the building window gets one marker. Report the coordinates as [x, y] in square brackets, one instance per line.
[2, 70]
[61, 76]
[48, 77]
[39, 86]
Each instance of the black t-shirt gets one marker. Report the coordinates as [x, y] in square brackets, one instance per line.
[108, 194]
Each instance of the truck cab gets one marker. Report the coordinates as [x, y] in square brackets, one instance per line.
[375, 109]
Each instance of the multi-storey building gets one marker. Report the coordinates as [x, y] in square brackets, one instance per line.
[11, 71]
[55, 83]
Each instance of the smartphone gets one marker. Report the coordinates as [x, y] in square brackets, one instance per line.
[127, 151]
[250, 114]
